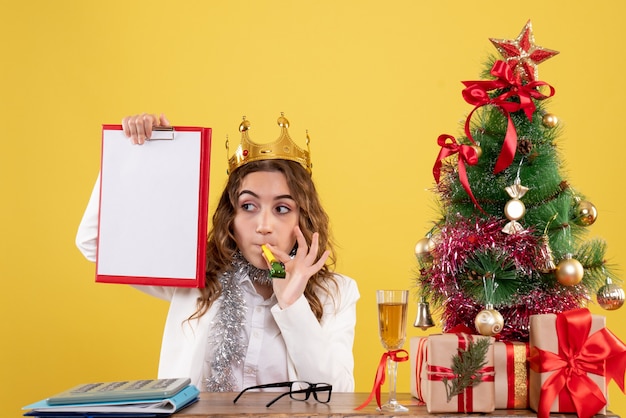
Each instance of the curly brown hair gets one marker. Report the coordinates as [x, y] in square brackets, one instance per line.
[221, 245]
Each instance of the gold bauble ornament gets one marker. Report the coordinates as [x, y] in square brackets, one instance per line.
[569, 271]
[549, 120]
[585, 214]
[424, 247]
[610, 296]
[489, 322]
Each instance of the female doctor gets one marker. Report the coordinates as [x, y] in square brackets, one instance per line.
[245, 328]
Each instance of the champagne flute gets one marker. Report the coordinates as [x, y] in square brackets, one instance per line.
[392, 312]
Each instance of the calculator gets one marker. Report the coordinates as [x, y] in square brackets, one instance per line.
[123, 390]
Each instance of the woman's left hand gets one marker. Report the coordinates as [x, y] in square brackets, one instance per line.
[298, 269]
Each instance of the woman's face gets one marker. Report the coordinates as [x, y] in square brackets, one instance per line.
[265, 214]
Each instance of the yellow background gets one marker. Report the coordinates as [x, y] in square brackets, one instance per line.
[374, 82]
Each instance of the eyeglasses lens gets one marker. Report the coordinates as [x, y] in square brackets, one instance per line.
[300, 391]
[322, 393]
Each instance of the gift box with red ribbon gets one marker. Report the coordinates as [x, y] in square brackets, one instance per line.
[573, 356]
[511, 380]
[440, 350]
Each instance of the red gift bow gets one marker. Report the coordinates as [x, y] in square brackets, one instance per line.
[380, 374]
[579, 353]
[477, 94]
[467, 155]
[465, 400]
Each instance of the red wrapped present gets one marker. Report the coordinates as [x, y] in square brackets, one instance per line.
[572, 358]
[417, 357]
[479, 397]
[511, 366]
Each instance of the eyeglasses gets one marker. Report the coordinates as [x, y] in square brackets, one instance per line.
[298, 390]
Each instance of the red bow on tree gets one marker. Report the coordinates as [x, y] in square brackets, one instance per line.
[467, 155]
[477, 93]
[601, 353]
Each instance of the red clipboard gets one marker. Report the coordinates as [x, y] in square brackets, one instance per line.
[152, 224]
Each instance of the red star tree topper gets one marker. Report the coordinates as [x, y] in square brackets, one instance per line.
[522, 54]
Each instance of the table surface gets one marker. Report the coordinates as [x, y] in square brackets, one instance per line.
[252, 404]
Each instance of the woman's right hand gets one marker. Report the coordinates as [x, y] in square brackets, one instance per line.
[139, 127]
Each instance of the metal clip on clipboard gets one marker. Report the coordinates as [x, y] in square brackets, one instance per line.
[162, 133]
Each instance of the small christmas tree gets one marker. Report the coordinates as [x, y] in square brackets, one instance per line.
[510, 241]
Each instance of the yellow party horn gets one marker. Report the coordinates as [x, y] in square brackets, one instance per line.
[277, 271]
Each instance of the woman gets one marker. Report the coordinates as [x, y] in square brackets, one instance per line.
[245, 328]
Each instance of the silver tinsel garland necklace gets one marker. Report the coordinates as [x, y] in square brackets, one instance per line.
[228, 325]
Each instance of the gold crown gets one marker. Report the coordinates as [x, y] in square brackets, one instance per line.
[282, 149]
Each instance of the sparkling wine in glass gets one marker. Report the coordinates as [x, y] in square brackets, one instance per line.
[392, 312]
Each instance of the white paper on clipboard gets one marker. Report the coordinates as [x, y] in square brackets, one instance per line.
[153, 204]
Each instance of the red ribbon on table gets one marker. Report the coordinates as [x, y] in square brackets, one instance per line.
[477, 93]
[394, 355]
[465, 399]
[601, 353]
[467, 155]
